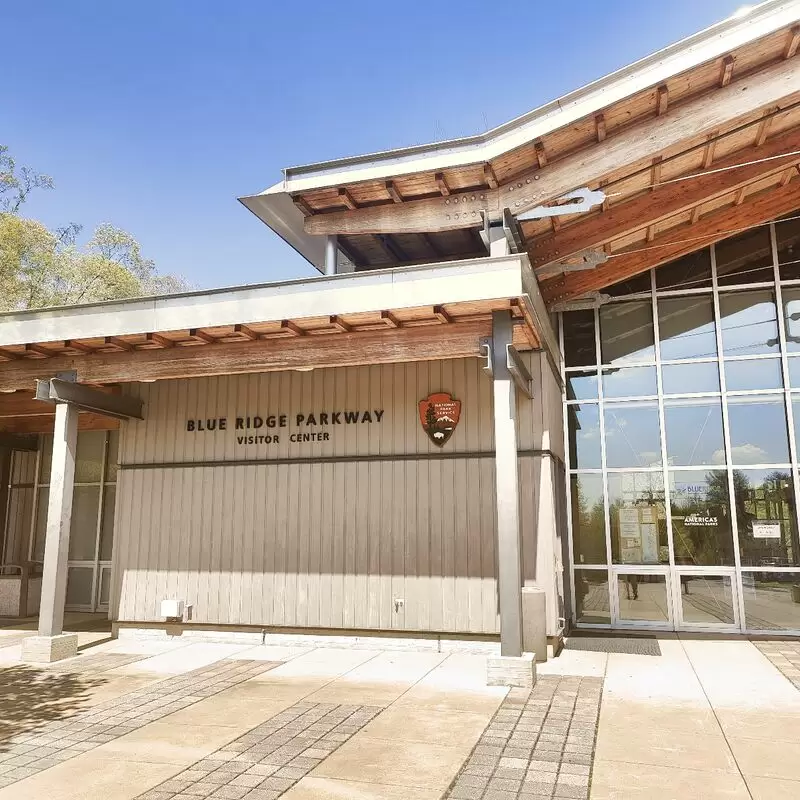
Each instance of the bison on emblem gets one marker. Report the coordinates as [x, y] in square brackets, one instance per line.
[439, 414]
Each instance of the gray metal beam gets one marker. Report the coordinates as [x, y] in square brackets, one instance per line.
[86, 398]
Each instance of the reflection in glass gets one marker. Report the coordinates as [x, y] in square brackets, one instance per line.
[791, 316]
[626, 332]
[702, 534]
[746, 258]
[107, 524]
[633, 436]
[588, 519]
[591, 597]
[765, 513]
[41, 523]
[113, 456]
[634, 285]
[749, 323]
[787, 234]
[794, 372]
[690, 378]
[629, 382]
[83, 530]
[581, 385]
[638, 518]
[758, 430]
[579, 341]
[583, 422]
[758, 373]
[707, 599]
[105, 586]
[686, 327]
[694, 432]
[79, 586]
[643, 598]
[771, 601]
[690, 272]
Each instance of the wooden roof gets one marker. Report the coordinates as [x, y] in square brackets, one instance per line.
[700, 126]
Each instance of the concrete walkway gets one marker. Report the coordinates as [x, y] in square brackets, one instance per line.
[176, 719]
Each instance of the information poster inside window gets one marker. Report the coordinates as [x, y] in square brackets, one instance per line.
[638, 534]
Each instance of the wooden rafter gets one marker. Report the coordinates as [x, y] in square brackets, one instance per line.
[442, 315]
[246, 332]
[764, 126]
[303, 206]
[793, 42]
[347, 199]
[667, 200]
[682, 125]
[159, 339]
[442, 184]
[541, 155]
[339, 324]
[72, 344]
[431, 244]
[788, 175]
[388, 318]
[726, 71]
[392, 192]
[202, 336]
[708, 150]
[10, 355]
[600, 127]
[662, 100]
[288, 326]
[120, 344]
[391, 248]
[489, 176]
[674, 243]
[38, 350]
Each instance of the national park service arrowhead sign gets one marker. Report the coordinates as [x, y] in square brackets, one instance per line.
[439, 414]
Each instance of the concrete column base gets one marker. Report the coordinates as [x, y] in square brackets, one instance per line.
[46, 649]
[511, 671]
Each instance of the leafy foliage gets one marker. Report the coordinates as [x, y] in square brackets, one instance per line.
[39, 267]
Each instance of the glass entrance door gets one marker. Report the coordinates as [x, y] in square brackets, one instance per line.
[642, 598]
[705, 600]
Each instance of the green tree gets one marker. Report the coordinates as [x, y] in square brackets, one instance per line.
[39, 267]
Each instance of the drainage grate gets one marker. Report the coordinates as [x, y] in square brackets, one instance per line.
[632, 645]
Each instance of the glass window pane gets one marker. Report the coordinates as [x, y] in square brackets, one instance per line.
[759, 373]
[758, 430]
[83, 530]
[746, 258]
[638, 518]
[634, 285]
[690, 272]
[707, 599]
[626, 332]
[794, 372]
[584, 436]
[47, 459]
[686, 327]
[787, 234]
[771, 601]
[688, 378]
[89, 456]
[41, 523]
[113, 456]
[107, 525]
[79, 586]
[629, 382]
[579, 341]
[591, 597]
[633, 436]
[749, 323]
[765, 515]
[643, 598]
[105, 586]
[702, 533]
[588, 520]
[791, 315]
[18, 526]
[693, 429]
[581, 385]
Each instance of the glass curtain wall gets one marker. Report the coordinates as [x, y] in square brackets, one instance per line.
[682, 417]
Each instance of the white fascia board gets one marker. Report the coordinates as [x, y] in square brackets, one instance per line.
[406, 287]
[707, 45]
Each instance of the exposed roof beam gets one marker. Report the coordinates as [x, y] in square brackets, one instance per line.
[393, 193]
[442, 315]
[708, 150]
[674, 243]
[10, 355]
[541, 155]
[346, 349]
[390, 319]
[245, 331]
[71, 344]
[39, 350]
[203, 336]
[163, 341]
[764, 126]
[347, 199]
[120, 344]
[292, 327]
[683, 124]
[726, 71]
[304, 207]
[435, 249]
[600, 127]
[391, 248]
[442, 184]
[44, 423]
[337, 322]
[665, 201]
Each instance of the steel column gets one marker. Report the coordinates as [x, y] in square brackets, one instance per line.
[331, 254]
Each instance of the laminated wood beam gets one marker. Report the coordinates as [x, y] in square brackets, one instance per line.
[44, 423]
[600, 127]
[347, 199]
[202, 336]
[442, 184]
[160, 340]
[39, 350]
[392, 192]
[793, 42]
[662, 100]
[71, 344]
[120, 344]
[337, 322]
[726, 71]
[632, 148]
[244, 330]
[489, 176]
[663, 202]
[392, 345]
[674, 244]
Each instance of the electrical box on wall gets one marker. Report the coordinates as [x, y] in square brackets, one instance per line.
[172, 609]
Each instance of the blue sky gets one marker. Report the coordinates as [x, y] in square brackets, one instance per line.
[157, 115]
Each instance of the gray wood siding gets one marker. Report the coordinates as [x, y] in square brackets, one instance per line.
[331, 544]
